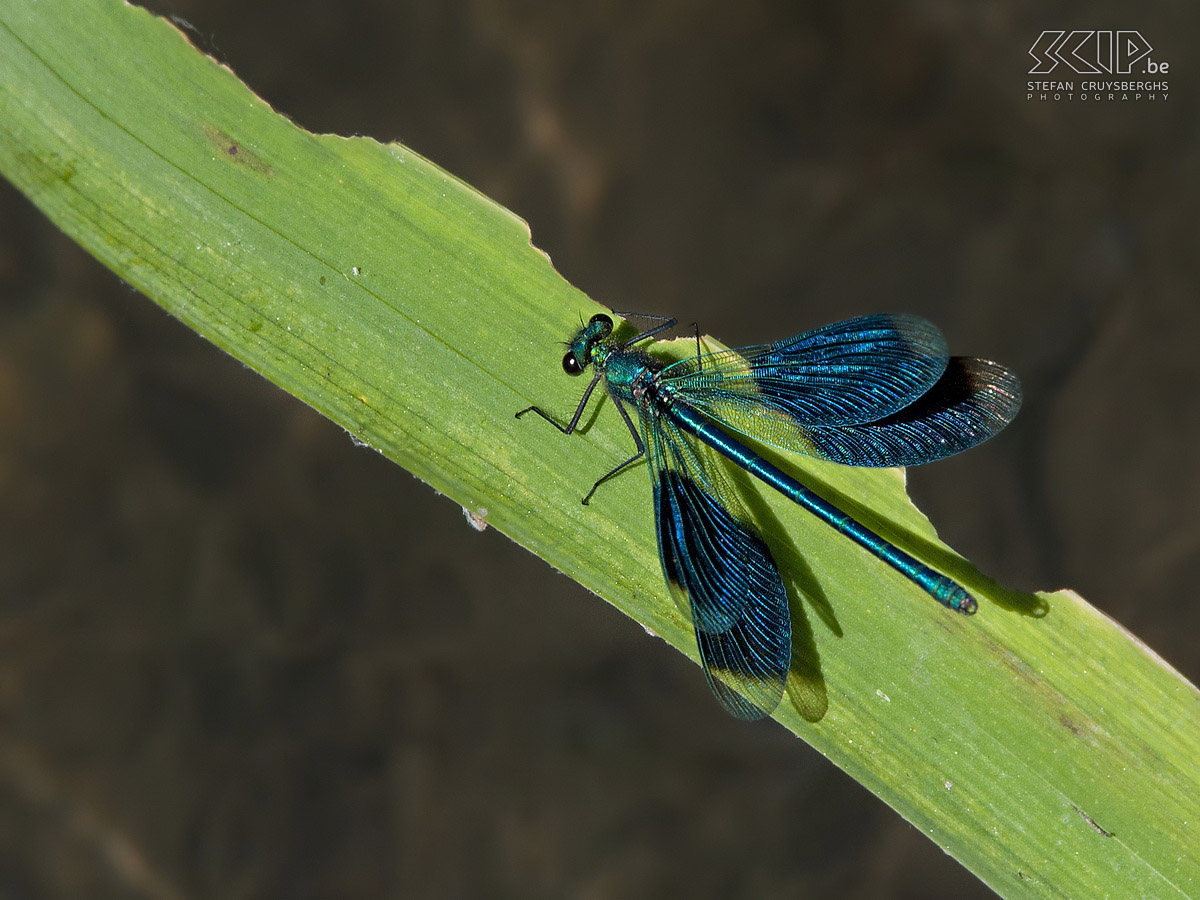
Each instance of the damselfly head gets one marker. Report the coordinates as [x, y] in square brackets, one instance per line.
[579, 352]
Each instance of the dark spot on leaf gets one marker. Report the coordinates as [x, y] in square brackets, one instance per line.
[239, 153]
[1092, 822]
[65, 170]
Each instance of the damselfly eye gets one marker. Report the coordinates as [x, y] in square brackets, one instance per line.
[605, 323]
[571, 364]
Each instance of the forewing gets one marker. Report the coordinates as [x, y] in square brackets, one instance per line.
[972, 401]
[721, 574]
[846, 373]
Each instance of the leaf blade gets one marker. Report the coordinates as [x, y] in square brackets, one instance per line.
[415, 313]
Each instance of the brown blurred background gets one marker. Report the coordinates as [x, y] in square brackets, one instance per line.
[240, 657]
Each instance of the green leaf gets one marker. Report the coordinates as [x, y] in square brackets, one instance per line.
[1038, 742]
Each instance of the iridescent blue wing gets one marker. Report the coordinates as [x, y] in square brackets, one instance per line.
[874, 391]
[845, 373]
[720, 573]
[972, 401]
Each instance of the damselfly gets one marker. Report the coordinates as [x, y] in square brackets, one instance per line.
[873, 391]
